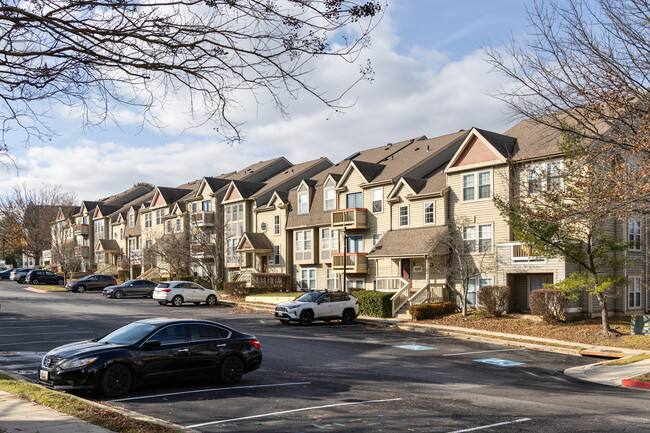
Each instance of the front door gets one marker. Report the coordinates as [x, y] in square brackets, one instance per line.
[265, 264]
[406, 269]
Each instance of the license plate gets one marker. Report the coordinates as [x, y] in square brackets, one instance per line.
[44, 375]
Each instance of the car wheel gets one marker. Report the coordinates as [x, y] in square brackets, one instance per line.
[150, 295]
[232, 370]
[211, 300]
[115, 381]
[162, 302]
[21, 280]
[118, 294]
[60, 282]
[177, 301]
[347, 317]
[306, 317]
[35, 281]
[81, 289]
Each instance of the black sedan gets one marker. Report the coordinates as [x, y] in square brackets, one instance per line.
[41, 276]
[152, 350]
[130, 288]
[4, 275]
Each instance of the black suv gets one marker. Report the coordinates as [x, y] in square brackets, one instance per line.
[40, 276]
[91, 282]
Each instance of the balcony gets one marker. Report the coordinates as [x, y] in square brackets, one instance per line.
[202, 219]
[522, 253]
[82, 251]
[356, 263]
[136, 256]
[353, 218]
[80, 229]
[201, 251]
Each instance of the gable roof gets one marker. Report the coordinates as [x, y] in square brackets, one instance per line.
[254, 242]
[170, 195]
[107, 245]
[408, 242]
[477, 151]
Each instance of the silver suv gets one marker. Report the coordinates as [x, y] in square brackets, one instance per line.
[318, 306]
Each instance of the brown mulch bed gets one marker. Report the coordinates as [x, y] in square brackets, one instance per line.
[588, 331]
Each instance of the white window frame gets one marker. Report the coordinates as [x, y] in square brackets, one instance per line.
[481, 238]
[475, 186]
[329, 203]
[431, 213]
[355, 283]
[178, 225]
[159, 216]
[148, 244]
[549, 170]
[206, 206]
[534, 178]
[168, 226]
[328, 244]
[131, 219]
[399, 216]
[147, 219]
[121, 233]
[309, 280]
[276, 254]
[469, 241]
[477, 283]
[634, 234]
[303, 203]
[634, 292]
[377, 197]
[276, 225]
[332, 279]
[376, 237]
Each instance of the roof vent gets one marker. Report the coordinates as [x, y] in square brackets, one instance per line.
[389, 144]
[417, 148]
[427, 147]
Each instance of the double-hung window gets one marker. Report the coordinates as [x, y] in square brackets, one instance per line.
[377, 200]
[480, 182]
[484, 185]
[303, 203]
[206, 205]
[634, 234]
[332, 280]
[159, 215]
[303, 244]
[403, 216]
[329, 242]
[308, 278]
[472, 285]
[485, 238]
[354, 200]
[534, 175]
[634, 292]
[276, 254]
[276, 224]
[178, 225]
[553, 176]
[131, 219]
[468, 187]
[429, 213]
[329, 196]
[469, 239]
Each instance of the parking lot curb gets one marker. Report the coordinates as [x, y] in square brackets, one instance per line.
[124, 412]
[635, 384]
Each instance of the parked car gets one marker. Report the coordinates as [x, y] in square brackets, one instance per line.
[178, 292]
[42, 276]
[318, 306]
[152, 350]
[91, 282]
[130, 288]
[4, 275]
[18, 275]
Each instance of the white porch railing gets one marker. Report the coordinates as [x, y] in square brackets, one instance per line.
[428, 293]
[399, 299]
[390, 284]
[245, 276]
[150, 273]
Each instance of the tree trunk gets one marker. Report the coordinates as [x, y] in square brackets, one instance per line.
[464, 303]
[603, 312]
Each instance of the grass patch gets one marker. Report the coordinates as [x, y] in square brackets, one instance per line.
[628, 360]
[70, 405]
[642, 378]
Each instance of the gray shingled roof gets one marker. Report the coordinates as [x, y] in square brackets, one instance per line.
[258, 241]
[505, 145]
[109, 245]
[369, 170]
[408, 242]
[172, 195]
[534, 140]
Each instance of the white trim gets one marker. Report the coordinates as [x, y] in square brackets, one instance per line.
[399, 216]
[424, 213]
[473, 133]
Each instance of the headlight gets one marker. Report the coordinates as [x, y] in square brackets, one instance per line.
[293, 307]
[77, 363]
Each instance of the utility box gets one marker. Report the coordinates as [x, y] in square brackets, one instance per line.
[641, 325]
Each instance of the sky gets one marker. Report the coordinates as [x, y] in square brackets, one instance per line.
[431, 78]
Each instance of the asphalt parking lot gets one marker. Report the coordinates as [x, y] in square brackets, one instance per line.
[333, 377]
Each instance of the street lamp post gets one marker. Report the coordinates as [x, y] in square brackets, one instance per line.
[345, 260]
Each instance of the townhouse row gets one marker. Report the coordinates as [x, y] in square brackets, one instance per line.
[382, 219]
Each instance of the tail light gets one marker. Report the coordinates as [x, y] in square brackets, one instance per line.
[166, 290]
[254, 343]
[358, 302]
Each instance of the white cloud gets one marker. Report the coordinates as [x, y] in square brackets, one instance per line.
[419, 93]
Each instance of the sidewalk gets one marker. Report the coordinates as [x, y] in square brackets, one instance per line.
[19, 415]
[611, 375]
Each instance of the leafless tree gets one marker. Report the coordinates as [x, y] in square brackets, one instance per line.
[63, 249]
[207, 244]
[95, 55]
[172, 253]
[28, 213]
[585, 69]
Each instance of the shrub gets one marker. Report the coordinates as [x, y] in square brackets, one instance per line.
[122, 274]
[219, 284]
[373, 303]
[431, 311]
[494, 300]
[236, 288]
[185, 278]
[271, 282]
[548, 303]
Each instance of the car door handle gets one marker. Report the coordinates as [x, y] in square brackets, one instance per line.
[221, 345]
[183, 351]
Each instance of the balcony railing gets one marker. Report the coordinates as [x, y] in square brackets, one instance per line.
[80, 229]
[522, 253]
[356, 263]
[200, 251]
[136, 256]
[353, 218]
[202, 219]
[82, 250]
[390, 284]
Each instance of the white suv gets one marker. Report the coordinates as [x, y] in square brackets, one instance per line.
[178, 292]
[318, 306]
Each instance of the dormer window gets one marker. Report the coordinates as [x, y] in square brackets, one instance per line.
[329, 196]
[303, 200]
[131, 219]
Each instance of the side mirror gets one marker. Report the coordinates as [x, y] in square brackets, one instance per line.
[151, 343]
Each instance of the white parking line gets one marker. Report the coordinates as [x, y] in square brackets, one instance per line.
[559, 378]
[291, 411]
[492, 425]
[483, 351]
[531, 373]
[209, 390]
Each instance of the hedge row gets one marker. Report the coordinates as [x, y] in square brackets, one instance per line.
[376, 304]
[431, 311]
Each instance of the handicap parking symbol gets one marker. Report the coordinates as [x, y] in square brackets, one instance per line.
[415, 347]
[499, 362]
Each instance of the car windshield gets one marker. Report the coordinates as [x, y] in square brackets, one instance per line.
[129, 334]
[308, 297]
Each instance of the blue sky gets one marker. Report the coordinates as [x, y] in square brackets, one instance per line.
[430, 79]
